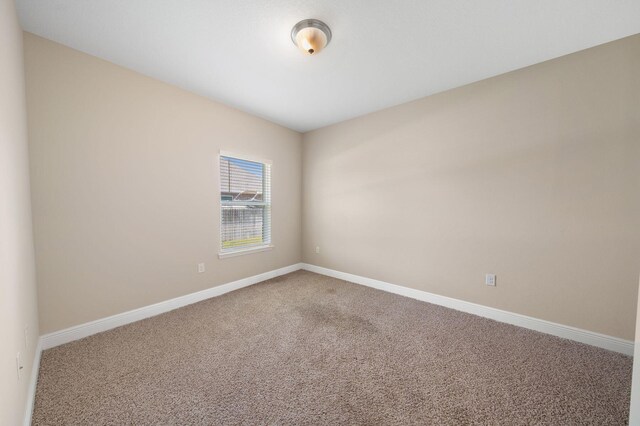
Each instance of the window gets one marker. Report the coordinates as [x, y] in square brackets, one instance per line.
[245, 201]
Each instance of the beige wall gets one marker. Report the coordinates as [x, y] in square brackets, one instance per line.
[18, 306]
[125, 186]
[533, 175]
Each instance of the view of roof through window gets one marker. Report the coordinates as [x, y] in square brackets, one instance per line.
[241, 180]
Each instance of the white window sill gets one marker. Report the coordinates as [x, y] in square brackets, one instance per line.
[224, 255]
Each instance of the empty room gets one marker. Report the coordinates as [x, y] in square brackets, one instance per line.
[332, 212]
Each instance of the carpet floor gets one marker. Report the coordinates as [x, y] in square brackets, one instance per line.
[307, 349]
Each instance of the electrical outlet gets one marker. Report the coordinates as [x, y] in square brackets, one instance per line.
[318, 249]
[200, 268]
[19, 366]
[26, 337]
[490, 279]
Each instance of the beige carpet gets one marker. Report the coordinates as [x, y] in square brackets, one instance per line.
[308, 349]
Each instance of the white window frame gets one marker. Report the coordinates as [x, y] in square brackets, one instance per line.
[255, 249]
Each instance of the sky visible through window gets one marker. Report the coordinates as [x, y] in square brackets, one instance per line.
[250, 166]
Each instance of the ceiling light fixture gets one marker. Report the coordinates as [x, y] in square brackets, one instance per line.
[311, 35]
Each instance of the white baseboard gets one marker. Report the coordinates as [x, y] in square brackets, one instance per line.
[33, 382]
[83, 330]
[57, 338]
[548, 327]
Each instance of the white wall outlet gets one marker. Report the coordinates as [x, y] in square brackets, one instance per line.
[201, 268]
[490, 279]
[26, 337]
[317, 249]
[19, 366]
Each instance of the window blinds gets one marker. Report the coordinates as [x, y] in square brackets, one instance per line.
[245, 199]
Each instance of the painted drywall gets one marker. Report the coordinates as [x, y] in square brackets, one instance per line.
[125, 185]
[18, 304]
[634, 413]
[533, 175]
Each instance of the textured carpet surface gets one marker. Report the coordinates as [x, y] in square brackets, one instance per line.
[308, 349]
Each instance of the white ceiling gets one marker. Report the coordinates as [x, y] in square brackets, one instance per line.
[383, 53]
